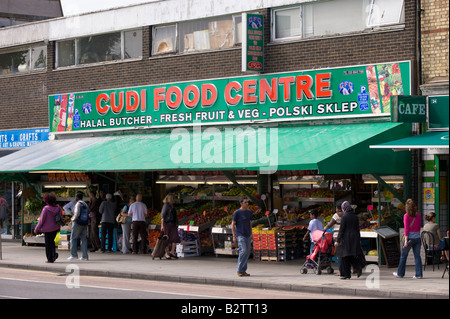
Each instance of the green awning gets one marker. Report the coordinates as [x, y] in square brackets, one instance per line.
[331, 149]
[426, 140]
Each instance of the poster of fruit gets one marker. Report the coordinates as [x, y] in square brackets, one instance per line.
[384, 81]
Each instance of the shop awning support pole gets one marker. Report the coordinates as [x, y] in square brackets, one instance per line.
[379, 221]
[391, 189]
[232, 178]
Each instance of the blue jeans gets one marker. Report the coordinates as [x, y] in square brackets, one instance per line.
[245, 246]
[79, 232]
[415, 245]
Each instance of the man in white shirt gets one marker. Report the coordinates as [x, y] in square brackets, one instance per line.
[137, 212]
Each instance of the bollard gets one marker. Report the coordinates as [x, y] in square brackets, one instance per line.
[0, 246]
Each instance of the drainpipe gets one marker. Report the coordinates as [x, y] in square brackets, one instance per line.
[419, 154]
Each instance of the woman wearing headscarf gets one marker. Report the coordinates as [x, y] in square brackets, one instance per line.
[348, 243]
[47, 225]
[169, 225]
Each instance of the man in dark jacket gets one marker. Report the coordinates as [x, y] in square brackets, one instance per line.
[348, 243]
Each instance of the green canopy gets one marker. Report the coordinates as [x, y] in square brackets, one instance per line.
[426, 140]
[331, 149]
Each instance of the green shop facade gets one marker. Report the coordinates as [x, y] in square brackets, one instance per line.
[281, 130]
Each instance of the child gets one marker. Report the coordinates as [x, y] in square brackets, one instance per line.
[314, 224]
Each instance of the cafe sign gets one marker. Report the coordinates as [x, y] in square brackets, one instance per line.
[409, 109]
[348, 92]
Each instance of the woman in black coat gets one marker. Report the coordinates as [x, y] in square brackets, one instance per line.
[348, 243]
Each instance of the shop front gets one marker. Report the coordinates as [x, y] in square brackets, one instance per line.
[433, 144]
[12, 141]
[289, 141]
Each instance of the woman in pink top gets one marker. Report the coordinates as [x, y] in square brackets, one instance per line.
[47, 225]
[412, 222]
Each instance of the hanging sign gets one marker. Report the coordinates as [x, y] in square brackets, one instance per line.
[347, 92]
[252, 42]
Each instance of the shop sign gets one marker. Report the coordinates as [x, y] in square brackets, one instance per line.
[253, 42]
[438, 112]
[16, 139]
[409, 109]
[347, 92]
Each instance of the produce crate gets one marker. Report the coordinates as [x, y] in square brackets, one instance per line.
[188, 249]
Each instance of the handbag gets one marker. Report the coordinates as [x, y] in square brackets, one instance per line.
[403, 239]
[121, 219]
[60, 219]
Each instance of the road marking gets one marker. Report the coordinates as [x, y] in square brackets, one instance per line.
[120, 289]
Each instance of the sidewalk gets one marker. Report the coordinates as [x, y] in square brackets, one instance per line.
[222, 271]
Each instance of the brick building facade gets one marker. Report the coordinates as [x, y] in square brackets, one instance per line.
[435, 82]
[24, 97]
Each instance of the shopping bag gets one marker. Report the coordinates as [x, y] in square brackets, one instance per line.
[57, 238]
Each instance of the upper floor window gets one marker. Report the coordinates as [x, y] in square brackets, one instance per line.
[335, 17]
[192, 36]
[99, 48]
[24, 60]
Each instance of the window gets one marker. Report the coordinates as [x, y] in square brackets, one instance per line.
[99, 48]
[133, 44]
[23, 61]
[66, 53]
[164, 39]
[385, 12]
[326, 18]
[288, 23]
[192, 36]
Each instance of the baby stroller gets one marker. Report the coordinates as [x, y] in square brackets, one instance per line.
[320, 258]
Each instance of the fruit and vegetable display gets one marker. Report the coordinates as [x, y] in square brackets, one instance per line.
[207, 216]
[33, 205]
[310, 193]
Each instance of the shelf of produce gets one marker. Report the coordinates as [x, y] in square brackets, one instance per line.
[309, 199]
[368, 234]
[225, 251]
[221, 230]
[211, 197]
[372, 258]
[34, 240]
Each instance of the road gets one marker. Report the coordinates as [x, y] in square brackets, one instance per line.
[29, 284]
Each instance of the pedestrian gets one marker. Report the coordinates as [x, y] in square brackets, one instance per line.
[335, 220]
[348, 243]
[335, 223]
[169, 225]
[126, 226]
[3, 215]
[94, 205]
[137, 212]
[241, 227]
[47, 225]
[439, 241]
[107, 210]
[80, 221]
[314, 224]
[412, 222]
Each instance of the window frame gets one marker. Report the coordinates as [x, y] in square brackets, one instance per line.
[367, 17]
[76, 45]
[29, 60]
[176, 50]
[274, 25]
